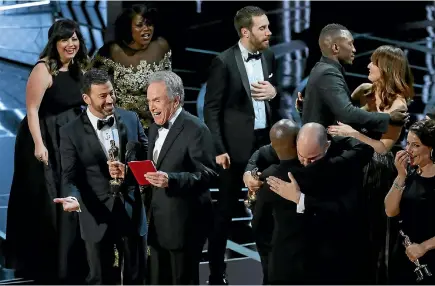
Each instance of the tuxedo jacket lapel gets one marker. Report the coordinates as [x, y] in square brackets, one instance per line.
[122, 133]
[93, 143]
[173, 133]
[242, 70]
[152, 134]
[265, 67]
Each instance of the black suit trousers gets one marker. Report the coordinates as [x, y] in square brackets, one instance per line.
[230, 185]
[176, 266]
[132, 249]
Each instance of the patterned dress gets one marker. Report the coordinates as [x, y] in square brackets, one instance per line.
[130, 83]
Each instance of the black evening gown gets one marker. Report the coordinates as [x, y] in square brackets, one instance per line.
[417, 214]
[379, 175]
[42, 242]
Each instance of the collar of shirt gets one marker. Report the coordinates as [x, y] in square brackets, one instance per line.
[173, 118]
[334, 63]
[245, 51]
[95, 119]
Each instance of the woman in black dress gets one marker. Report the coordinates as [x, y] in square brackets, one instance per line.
[412, 199]
[391, 89]
[39, 236]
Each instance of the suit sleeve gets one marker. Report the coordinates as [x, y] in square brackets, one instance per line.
[262, 159]
[68, 158]
[200, 147]
[335, 96]
[275, 102]
[143, 140]
[213, 102]
[351, 161]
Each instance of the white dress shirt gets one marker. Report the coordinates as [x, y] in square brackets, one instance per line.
[162, 133]
[254, 70]
[106, 134]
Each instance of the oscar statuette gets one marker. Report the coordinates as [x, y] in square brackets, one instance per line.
[252, 196]
[114, 156]
[421, 270]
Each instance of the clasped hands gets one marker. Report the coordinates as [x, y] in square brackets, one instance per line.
[157, 179]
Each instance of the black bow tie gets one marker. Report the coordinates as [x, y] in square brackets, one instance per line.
[252, 56]
[109, 122]
[165, 125]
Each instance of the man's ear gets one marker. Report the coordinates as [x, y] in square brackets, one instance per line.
[86, 99]
[245, 32]
[335, 48]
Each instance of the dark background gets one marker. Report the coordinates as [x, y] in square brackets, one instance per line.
[196, 36]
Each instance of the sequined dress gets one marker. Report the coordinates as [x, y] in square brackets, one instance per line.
[130, 83]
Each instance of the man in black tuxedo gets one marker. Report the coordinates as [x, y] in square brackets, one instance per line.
[237, 111]
[309, 231]
[181, 212]
[327, 97]
[106, 217]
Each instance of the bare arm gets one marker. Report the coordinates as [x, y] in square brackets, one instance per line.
[39, 81]
[429, 244]
[335, 96]
[394, 196]
[384, 145]
[381, 146]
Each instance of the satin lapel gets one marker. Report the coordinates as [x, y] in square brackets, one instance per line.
[122, 133]
[151, 140]
[242, 70]
[173, 133]
[93, 142]
[266, 78]
[265, 67]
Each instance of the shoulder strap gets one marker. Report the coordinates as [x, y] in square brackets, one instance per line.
[40, 61]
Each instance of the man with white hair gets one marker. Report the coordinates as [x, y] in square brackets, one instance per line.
[181, 212]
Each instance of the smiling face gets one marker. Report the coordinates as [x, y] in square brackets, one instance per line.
[68, 48]
[162, 107]
[141, 30]
[419, 154]
[101, 99]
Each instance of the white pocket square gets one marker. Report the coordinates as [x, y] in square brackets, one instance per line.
[270, 75]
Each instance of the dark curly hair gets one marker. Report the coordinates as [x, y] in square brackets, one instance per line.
[425, 131]
[124, 20]
[61, 30]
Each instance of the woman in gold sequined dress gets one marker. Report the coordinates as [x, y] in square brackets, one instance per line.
[136, 53]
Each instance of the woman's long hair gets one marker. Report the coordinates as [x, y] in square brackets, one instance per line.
[61, 30]
[396, 77]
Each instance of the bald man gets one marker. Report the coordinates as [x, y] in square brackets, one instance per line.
[327, 97]
[283, 139]
[316, 216]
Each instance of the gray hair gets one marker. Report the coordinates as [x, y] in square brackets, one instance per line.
[173, 83]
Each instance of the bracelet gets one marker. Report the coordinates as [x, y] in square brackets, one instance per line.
[400, 188]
